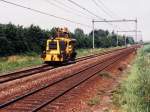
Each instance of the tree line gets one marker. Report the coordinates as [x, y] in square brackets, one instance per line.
[16, 39]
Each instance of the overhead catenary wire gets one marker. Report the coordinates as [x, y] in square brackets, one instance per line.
[64, 9]
[110, 15]
[44, 13]
[95, 2]
[71, 8]
[100, 2]
[83, 8]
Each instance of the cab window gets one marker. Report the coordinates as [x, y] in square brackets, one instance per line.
[62, 45]
[52, 45]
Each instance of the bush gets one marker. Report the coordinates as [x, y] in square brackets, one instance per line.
[134, 92]
[18, 39]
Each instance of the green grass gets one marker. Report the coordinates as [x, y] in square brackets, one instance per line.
[85, 52]
[94, 101]
[16, 62]
[134, 92]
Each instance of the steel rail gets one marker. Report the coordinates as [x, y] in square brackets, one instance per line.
[46, 86]
[43, 68]
[76, 85]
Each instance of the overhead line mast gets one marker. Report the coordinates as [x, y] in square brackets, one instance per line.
[123, 20]
[129, 31]
[41, 12]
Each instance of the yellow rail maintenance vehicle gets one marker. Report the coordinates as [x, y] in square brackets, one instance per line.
[60, 48]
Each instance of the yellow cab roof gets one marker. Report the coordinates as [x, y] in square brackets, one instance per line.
[63, 39]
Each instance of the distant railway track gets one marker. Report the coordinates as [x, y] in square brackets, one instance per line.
[37, 99]
[43, 68]
[23, 73]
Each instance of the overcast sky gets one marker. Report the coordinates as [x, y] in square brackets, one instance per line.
[116, 9]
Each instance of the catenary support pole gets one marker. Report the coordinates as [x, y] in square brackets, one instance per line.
[117, 39]
[136, 31]
[122, 20]
[93, 34]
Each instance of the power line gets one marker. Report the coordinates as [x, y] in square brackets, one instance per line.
[66, 10]
[94, 1]
[89, 11]
[71, 8]
[106, 7]
[41, 12]
[85, 9]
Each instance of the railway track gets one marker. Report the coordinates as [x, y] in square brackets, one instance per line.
[20, 74]
[38, 99]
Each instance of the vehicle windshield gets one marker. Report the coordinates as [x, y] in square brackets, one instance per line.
[62, 45]
[52, 45]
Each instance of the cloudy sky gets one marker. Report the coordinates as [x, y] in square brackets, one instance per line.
[106, 9]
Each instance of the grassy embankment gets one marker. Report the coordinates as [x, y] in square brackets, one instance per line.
[134, 92]
[11, 63]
